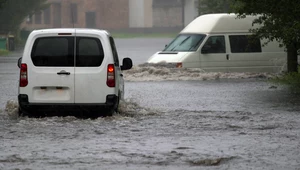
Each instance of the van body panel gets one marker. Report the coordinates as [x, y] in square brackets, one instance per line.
[214, 62]
[48, 86]
[161, 57]
[219, 24]
[191, 59]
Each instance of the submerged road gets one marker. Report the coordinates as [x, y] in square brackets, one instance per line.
[170, 120]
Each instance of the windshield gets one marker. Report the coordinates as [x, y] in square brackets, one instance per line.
[185, 42]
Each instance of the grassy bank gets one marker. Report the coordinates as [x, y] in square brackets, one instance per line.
[290, 79]
[146, 35]
[4, 52]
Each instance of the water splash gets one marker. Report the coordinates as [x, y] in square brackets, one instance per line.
[12, 108]
[127, 108]
[132, 109]
[161, 72]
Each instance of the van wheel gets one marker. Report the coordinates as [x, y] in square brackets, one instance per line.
[116, 107]
[109, 112]
[22, 113]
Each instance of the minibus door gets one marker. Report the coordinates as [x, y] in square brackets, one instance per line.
[213, 54]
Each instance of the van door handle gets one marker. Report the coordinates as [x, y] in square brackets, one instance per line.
[227, 56]
[63, 72]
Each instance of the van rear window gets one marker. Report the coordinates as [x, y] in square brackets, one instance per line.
[53, 52]
[89, 52]
[59, 52]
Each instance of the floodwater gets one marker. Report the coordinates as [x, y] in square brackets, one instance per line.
[171, 119]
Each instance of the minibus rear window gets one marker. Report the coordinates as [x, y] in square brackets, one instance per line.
[185, 42]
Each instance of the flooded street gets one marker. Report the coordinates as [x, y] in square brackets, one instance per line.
[171, 119]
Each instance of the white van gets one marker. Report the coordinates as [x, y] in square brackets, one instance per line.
[72, 71]
[222, 43]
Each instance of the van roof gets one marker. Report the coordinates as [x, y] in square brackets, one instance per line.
[70, 30]
[219, 23]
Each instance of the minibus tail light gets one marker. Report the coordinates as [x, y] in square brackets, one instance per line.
[23, 75]
[178, 65]
[111, 75]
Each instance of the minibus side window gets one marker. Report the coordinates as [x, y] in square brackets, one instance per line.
[214, 44]
[244, 44]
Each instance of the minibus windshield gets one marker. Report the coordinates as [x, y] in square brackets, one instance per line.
[185, 42]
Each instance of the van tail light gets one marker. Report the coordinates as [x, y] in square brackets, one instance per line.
[111, 76]
[23, 75]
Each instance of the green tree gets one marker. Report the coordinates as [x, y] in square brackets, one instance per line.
[13, 12]
[214, 6]
[279, 20]
[2, 3]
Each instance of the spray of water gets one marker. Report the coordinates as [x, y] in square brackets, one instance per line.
[12, 108]
[162, 72]
[127, 108]
[133, 109]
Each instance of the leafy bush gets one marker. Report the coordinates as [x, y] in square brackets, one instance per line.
[290, 79]
[3, 52]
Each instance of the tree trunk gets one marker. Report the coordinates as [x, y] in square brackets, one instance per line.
[292, 59]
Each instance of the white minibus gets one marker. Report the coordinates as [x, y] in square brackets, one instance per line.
[222, 43]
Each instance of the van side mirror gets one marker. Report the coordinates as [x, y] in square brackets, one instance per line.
[205, 49]
[127, 64]
[19, 62]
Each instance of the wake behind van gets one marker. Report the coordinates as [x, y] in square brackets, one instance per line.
[222, 43]
[70, 71]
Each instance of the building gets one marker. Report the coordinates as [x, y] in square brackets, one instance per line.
[114, 14]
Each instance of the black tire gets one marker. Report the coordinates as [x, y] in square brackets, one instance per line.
[109, 112]
[22, 113]
[116, 106]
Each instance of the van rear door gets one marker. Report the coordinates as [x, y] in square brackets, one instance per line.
[91, 65]
[51, 72]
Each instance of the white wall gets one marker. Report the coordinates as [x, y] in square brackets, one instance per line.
[141, 14]
[191, 11]
[136, 13]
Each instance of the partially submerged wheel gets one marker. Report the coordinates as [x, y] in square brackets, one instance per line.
[22, 113]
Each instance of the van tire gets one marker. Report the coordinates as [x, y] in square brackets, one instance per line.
[21, 113]
[116, 107]
[109, 112]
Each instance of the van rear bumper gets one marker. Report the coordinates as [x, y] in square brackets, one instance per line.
[66, 108]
